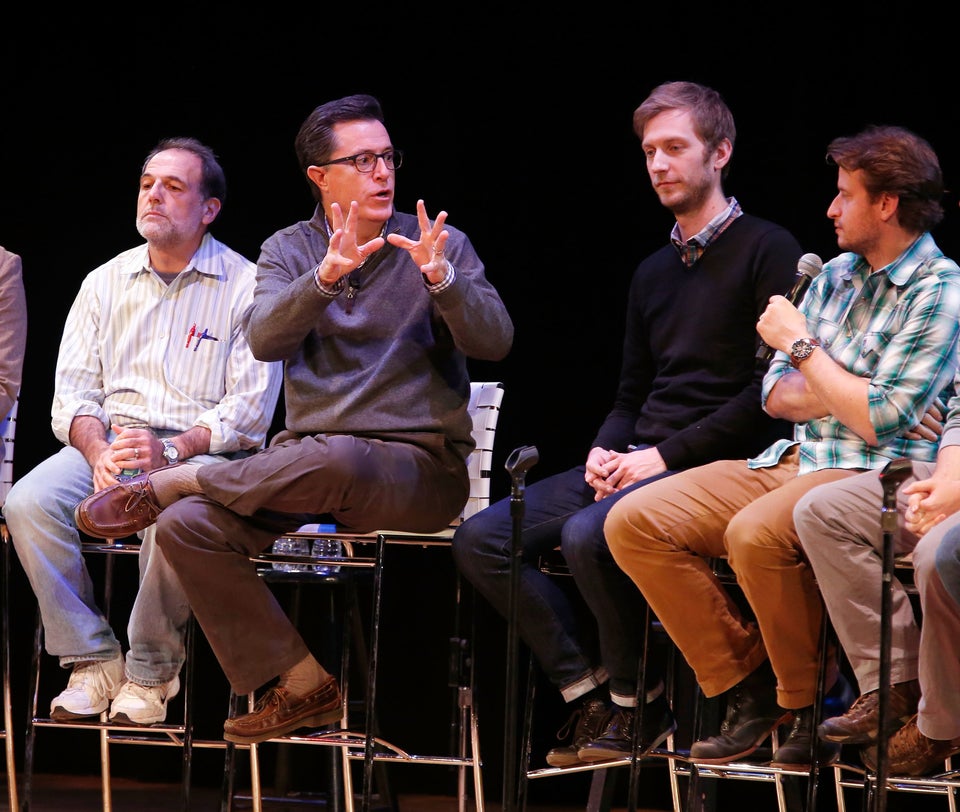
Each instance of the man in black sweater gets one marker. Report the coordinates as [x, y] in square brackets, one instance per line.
[689, 393]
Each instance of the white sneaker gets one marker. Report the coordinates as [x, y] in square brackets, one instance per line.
[89, 690]
[142, 704]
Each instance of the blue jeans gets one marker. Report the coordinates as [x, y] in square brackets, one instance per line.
[948, 562]
[39, 514]
[560, 511]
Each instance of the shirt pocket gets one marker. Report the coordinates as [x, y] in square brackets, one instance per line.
[827, 332]
[872, 346]
[199, 373]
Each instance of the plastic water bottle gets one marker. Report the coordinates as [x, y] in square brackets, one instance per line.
[323, 547]
[291, 546]
[326, 548]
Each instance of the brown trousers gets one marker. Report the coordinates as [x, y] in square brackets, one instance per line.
[361, 483]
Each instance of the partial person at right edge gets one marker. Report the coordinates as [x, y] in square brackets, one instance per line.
[840, 530]
[689, 393]
[13, 329]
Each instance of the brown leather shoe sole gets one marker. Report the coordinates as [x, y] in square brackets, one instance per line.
[120, 510]
[277, 713]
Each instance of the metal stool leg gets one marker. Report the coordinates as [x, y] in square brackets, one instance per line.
[464, 726]
[256, 795]
[105, 784]
[31, 736]
[527, 739]
[227, 787]
[105, 787]
[638, 713]
[7, 703]
[186, 767]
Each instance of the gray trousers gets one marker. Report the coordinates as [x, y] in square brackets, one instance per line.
[418, 484]
[839, 529]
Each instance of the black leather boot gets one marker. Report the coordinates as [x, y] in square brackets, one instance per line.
[795, 752]
[752, 715]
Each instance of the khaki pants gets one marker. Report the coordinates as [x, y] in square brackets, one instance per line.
[662, 536]
[843, 539]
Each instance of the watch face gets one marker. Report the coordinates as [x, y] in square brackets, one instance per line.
[801, 349]
[170, 452]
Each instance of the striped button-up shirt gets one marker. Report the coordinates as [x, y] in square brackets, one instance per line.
[138, 352]
[898, 328]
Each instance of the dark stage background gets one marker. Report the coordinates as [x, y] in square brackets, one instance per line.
[516, 119]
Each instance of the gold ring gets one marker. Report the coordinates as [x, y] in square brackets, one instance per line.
[136, 453]
[438, 252]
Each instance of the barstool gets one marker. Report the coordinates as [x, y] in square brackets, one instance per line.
[789, 795]
[343, 653]
[849, 775]
[368, 551]
[178, 734]
[604, 773]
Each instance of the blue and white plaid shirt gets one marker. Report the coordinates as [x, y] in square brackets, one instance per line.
[898, 327]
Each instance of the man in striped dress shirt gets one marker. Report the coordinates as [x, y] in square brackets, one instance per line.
[153, 369]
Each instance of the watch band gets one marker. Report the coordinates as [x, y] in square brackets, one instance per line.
[170, 452]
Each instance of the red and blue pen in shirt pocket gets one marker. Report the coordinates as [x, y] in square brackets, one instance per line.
[200, 336]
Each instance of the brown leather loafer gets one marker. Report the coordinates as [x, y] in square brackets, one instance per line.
[120, 510]
[277, 713]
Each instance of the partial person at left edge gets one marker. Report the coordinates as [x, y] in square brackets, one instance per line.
[153, 369]
[13, 328]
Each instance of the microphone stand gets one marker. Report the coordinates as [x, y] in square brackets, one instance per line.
[520, 461]
[891, 477]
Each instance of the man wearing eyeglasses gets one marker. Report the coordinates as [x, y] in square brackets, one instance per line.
[374, 314]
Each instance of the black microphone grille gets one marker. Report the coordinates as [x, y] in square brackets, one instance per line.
[810, 264]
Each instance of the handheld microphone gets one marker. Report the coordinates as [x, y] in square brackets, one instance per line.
[808, 266]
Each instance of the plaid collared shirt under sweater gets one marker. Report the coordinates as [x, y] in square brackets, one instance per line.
[896, 326]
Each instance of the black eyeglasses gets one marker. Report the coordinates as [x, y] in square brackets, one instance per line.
[367, 161]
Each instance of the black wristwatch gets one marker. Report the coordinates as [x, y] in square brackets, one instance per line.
[170, 452]
[802, 349]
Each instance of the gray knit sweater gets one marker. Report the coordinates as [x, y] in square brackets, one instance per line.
[385, 357]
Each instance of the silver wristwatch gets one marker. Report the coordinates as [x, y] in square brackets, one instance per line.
[170, 452]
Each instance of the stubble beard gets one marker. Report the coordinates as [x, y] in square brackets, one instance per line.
[692, 199]
[162, 235]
